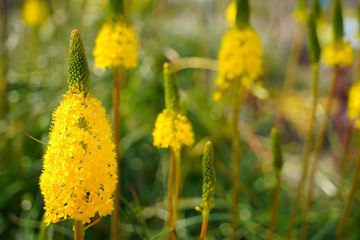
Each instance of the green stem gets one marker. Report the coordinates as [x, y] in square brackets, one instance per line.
[170, 191]
[116, 118]
[349, 200]
[79, 232]
[308, 147]
[177, 186]
[275, 206]
[205, 221]
[236, 163]
[317, 151]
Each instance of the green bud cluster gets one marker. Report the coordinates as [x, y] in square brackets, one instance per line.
[314, 49]
[172, 95]
[242, 13]
[78, 70]
[338, 21]
[209, 178]
[276, 149]
[117, 9]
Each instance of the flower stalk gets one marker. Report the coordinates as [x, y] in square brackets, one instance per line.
[79, 232]
[278, 163]
[116, 119]
[314, 57]
[319, 141]
[349, 200]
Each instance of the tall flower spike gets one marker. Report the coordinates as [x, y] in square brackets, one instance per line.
[338, 51]
[79, 169]
[209, 178]
[172, 129]
[78, 70]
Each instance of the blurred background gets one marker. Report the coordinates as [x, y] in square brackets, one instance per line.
[33, 79]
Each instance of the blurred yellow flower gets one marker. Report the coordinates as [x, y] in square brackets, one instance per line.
[172, 130]
[230, 13]
[338, 53]
[354, 104]
[300, 15]
[240, 57]
[116, 45]
[35, 12]
[79, 176]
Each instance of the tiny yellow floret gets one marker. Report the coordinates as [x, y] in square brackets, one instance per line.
[115, 46]
[172, 130]
[338, 53]
[354, 104]
[240, 58]
[79, 174]
[35, 12]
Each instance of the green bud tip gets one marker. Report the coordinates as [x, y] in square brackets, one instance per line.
[172, 95]
[117, 9]
[242, 13]
[316, 10]
[338, 21]
[78, 70]
[276, 149]
[314, 49]
[209, 178]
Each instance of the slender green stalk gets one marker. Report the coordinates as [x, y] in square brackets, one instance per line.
[170, 191]
[204, 224]
[177, 186]
[308, 147]
[317, 151]
[349, 200]
[275, 206]
[4, 86]
[116, 119]
[79, 232]
[235, 165]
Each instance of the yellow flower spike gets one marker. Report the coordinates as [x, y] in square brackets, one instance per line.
[79, 174]
[35, 12]
[115, 46]
[338, 53]
[240, 57]
[172, 129]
